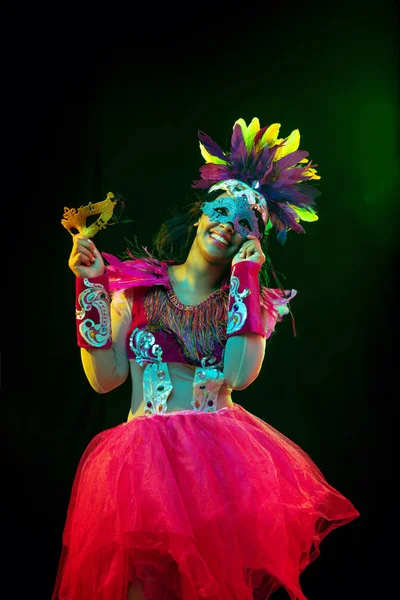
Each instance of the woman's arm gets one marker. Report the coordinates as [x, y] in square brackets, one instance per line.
[101, 325]
[244, 356]
[107, 368]
[247, 320]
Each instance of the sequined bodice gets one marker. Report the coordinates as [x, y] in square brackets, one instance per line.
[164, 330]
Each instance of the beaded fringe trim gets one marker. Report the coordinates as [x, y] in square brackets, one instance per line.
[198, 328]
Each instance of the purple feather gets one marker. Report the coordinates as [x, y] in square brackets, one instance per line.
[203, 184]
[211, 147]
[309, 193]
[239, 153]
[263, 161]
[266, 165]
[295, 194]
[290, 176]
[287, 216]
[291, 159]
[267, 173]
[211, 174]
[213, 171]
[291, 218]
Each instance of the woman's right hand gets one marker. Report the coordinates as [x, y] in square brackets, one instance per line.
[85, 260]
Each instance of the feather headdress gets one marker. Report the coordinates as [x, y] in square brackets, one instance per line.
[276, 168]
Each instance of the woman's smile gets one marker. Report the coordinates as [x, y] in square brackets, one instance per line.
[218, 240]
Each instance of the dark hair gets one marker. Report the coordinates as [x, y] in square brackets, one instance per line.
[176, 235]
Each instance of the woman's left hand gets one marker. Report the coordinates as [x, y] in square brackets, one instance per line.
[250, 250]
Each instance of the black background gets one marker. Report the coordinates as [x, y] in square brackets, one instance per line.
[112, 101]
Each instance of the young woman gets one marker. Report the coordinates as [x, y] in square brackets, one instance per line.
[193, 496]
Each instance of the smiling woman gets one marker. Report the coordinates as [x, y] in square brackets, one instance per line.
[177, 234]
[190, 470]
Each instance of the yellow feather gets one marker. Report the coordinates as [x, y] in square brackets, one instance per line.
[291, 144]
[304, 214]
[254, 126]
[242, 124]
[209, 158]
[252, 129]
[312, 172]
[248, 131]
[270, 135]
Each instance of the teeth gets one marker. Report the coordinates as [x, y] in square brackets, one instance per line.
[219, 238]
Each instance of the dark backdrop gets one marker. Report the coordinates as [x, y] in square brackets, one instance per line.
[115, 104]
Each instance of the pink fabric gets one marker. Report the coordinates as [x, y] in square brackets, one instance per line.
[275, 301]
[246, 278]
[135, 273]
[205, 506]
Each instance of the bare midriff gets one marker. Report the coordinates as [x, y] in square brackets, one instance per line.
[181, 395]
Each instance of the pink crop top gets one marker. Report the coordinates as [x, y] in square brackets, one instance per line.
[164, 329]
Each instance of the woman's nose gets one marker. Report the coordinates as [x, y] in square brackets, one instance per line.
[228, 225]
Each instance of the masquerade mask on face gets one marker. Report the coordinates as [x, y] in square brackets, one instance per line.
[238, 207]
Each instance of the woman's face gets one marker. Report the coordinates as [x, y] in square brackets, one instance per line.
[217, 241]
[237, 206]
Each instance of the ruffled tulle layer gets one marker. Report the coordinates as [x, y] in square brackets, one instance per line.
[216, 506]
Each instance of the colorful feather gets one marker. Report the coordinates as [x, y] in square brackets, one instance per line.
[239, 152]
[213, 150]
[249, 132]
[280, 168]
[290, 160]
[305, 213]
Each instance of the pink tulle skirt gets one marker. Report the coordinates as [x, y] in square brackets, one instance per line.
[187, 505]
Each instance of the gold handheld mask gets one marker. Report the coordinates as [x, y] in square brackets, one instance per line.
[75, 218]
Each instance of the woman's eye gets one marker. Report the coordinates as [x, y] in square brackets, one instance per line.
[245, 224]
[222, 210]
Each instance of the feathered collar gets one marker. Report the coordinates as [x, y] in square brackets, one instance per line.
[149, 271]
